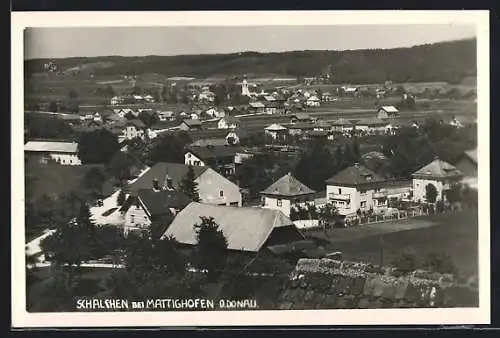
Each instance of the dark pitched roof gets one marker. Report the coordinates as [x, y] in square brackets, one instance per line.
[159, 171]
[288, 186]
[159, 202]
[356, 175]
[137, 123]
[192, 123]
[299, 125]
[331, 284]
[213, 152]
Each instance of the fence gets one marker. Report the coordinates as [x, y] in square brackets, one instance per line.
[372, 219]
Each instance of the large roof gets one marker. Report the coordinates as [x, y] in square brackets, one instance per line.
[159, 171]
[438, 169]
[159, 202]
[213, 152]
[275, 127]
[192, 122]
[341, 122]
[331, 284]
[390, 109]
[356, 175]
[49, 146]
[288, 186]
[472, 155]
[245, 228]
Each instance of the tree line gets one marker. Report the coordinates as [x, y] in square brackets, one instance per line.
[445, 61]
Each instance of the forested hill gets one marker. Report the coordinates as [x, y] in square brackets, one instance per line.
[446, 61]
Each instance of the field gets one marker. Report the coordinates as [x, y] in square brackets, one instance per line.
[456, 234]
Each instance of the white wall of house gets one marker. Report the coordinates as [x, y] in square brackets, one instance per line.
[131, 132]
[234, 136]
[419, 190]
[214, 188]
[191, 159]
[66, 158]
[222, 124]
[345, 199]
[285, 204]
[136, 219]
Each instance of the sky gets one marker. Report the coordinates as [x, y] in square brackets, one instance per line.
[140, 41]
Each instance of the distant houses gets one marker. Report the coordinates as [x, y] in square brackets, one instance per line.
[65, 153]
[219, 158]
[191, 124]
[385, 112]
[228, 122]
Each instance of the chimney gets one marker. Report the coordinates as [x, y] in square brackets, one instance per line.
[169, 185]
[156, 184]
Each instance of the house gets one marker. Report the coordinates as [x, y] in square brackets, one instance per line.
[438, 173]
[287, 193]
[342, 125]
[206, 96]
[115, 100]
[228, 122]
[246, 229]
[126, 111]
[149, 98]
[302, 117]
[271, 107]
[133, 128]
[313, 101]
[322, 125]
[166, 116]
[385, 112]
[324, 283]
[235, 136]
[219, 158]
[138, 98]
[299, 128]
[153, 205]
[327, 97]
[467, 164]
[456, 122]
[194, 116]
[213, 188]
[65, 153]
[352, 189]
[351, 91]
[392, 128]
[215, 113]
[276, 131]
[256, 107]
[188, 125]
[371, 126]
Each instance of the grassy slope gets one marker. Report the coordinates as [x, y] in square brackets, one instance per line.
[455, 234]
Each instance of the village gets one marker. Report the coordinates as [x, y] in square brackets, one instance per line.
[293, 173]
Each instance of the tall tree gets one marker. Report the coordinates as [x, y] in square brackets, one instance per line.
[211, 248]
[148, 118]
[189, 186]
[430, 193]
[356, 152]
[97, 146]
[120, 165]
[168, 148]
[315, 167]
[93, 182]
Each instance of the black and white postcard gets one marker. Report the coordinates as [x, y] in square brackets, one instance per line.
[243, 168]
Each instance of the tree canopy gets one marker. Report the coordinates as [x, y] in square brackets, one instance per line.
[97, 146]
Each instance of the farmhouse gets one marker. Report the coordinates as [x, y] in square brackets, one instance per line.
[467, 164]
[299, 128]
[286, 193]
[228, 122]
[65, 153]
[353, 188]
[246, 229]
[153, 204]
[276, 131]
[351, 91]
[302, 117]
[256, 107]
[342, 125]
[213, 188]
[438, 173]
[385, 112]
[188, 125]
[219, 158]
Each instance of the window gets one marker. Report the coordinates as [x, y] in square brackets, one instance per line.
[132, 220]
[221, 193]
[278, 203]
[188, 155]
[340, 191]
[363, 204]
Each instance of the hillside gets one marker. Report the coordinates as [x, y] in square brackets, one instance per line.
[447, 61]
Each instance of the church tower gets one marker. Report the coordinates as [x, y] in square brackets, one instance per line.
[244, 87]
